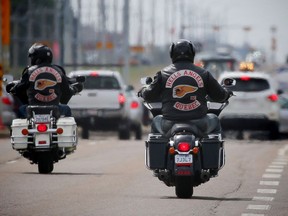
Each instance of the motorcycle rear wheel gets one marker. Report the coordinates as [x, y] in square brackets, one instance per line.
[45, 162]
[183, 187]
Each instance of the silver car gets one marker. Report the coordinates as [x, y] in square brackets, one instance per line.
[106, 103]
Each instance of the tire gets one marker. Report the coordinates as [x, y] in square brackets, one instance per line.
[124, 134]
[274, 132]
[45, 162]
[183, 187]
[138, 132]
[85, 132]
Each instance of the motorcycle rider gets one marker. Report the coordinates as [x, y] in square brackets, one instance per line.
[43, 83]
[182, 87]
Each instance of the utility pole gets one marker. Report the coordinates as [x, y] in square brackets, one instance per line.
[102, 7]
[125, 33]
[5, 40]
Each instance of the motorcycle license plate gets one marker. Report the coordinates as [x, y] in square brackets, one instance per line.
[183, 159]
[42, 118]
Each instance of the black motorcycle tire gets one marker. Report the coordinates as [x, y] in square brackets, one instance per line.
[45, 162]
[183, 187]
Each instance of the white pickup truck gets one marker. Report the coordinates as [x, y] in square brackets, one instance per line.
[106, 104]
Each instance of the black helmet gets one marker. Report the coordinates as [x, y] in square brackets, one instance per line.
[40, 53]
[182, 50]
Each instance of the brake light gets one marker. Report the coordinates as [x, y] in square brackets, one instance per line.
[6, 100]
[121, 99]
[273, 97]
[245, 78]
[42, 127]
[184, 146]
[134, 105]
[94, 73]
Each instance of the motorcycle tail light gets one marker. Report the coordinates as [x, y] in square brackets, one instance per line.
[121, 99]
[273, 97]
[195, 150]
[172, 151]
[25, 131]
[134, 105]
[59, 130]
[42, 127]
[184, 146]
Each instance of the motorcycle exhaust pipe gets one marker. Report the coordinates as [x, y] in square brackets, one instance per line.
[205, 176]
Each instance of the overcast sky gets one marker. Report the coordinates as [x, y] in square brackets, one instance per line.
[233, 15]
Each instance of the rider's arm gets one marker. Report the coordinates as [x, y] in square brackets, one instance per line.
[214, 90]
[152, 92]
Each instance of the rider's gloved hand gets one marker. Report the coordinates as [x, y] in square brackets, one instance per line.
[140, 92]
[77, 87]
[229, 93]
[10, 86]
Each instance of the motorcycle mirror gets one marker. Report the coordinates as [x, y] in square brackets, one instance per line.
[228, 82]
[80, 78]
[146, 80]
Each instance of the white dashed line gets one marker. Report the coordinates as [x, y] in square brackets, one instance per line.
[270, 183]
[266, 199]
[274, 170]
[279, 163]
[251, 214]
[258, 207]
[276, 166]
[267, 191]
[11, 162]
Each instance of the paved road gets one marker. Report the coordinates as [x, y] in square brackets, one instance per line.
[108, 177]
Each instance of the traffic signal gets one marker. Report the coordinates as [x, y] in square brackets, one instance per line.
[5, 17]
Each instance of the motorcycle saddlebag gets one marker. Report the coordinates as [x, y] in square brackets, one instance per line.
[212, 151]
[69, 136]
[156, 151]
[18, 140]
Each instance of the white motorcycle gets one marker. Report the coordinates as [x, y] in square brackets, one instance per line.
[44, 137]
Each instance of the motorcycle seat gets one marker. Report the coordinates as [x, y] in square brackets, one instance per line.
[188, 128]
[43, 110]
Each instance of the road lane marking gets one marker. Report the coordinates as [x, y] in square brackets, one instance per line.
[258, 207]
[267, 199]
[276, 166]
[251, 214]
[267, 175]
[274, 170]
[267, 191]
[11, 162]
[279, 163]
[270, 183]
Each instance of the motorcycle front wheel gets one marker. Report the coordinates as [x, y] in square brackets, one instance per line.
[45, 162]
[183, 187]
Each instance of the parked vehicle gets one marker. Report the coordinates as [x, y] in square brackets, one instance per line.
[44, 137]
[283, 101]
[184, 158]
[9, 105]
[255, 107]
[106, 103]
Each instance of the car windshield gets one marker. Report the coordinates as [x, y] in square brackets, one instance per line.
[250, 85]
[101, 82]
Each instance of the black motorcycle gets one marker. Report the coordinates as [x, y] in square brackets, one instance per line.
[185, 159]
